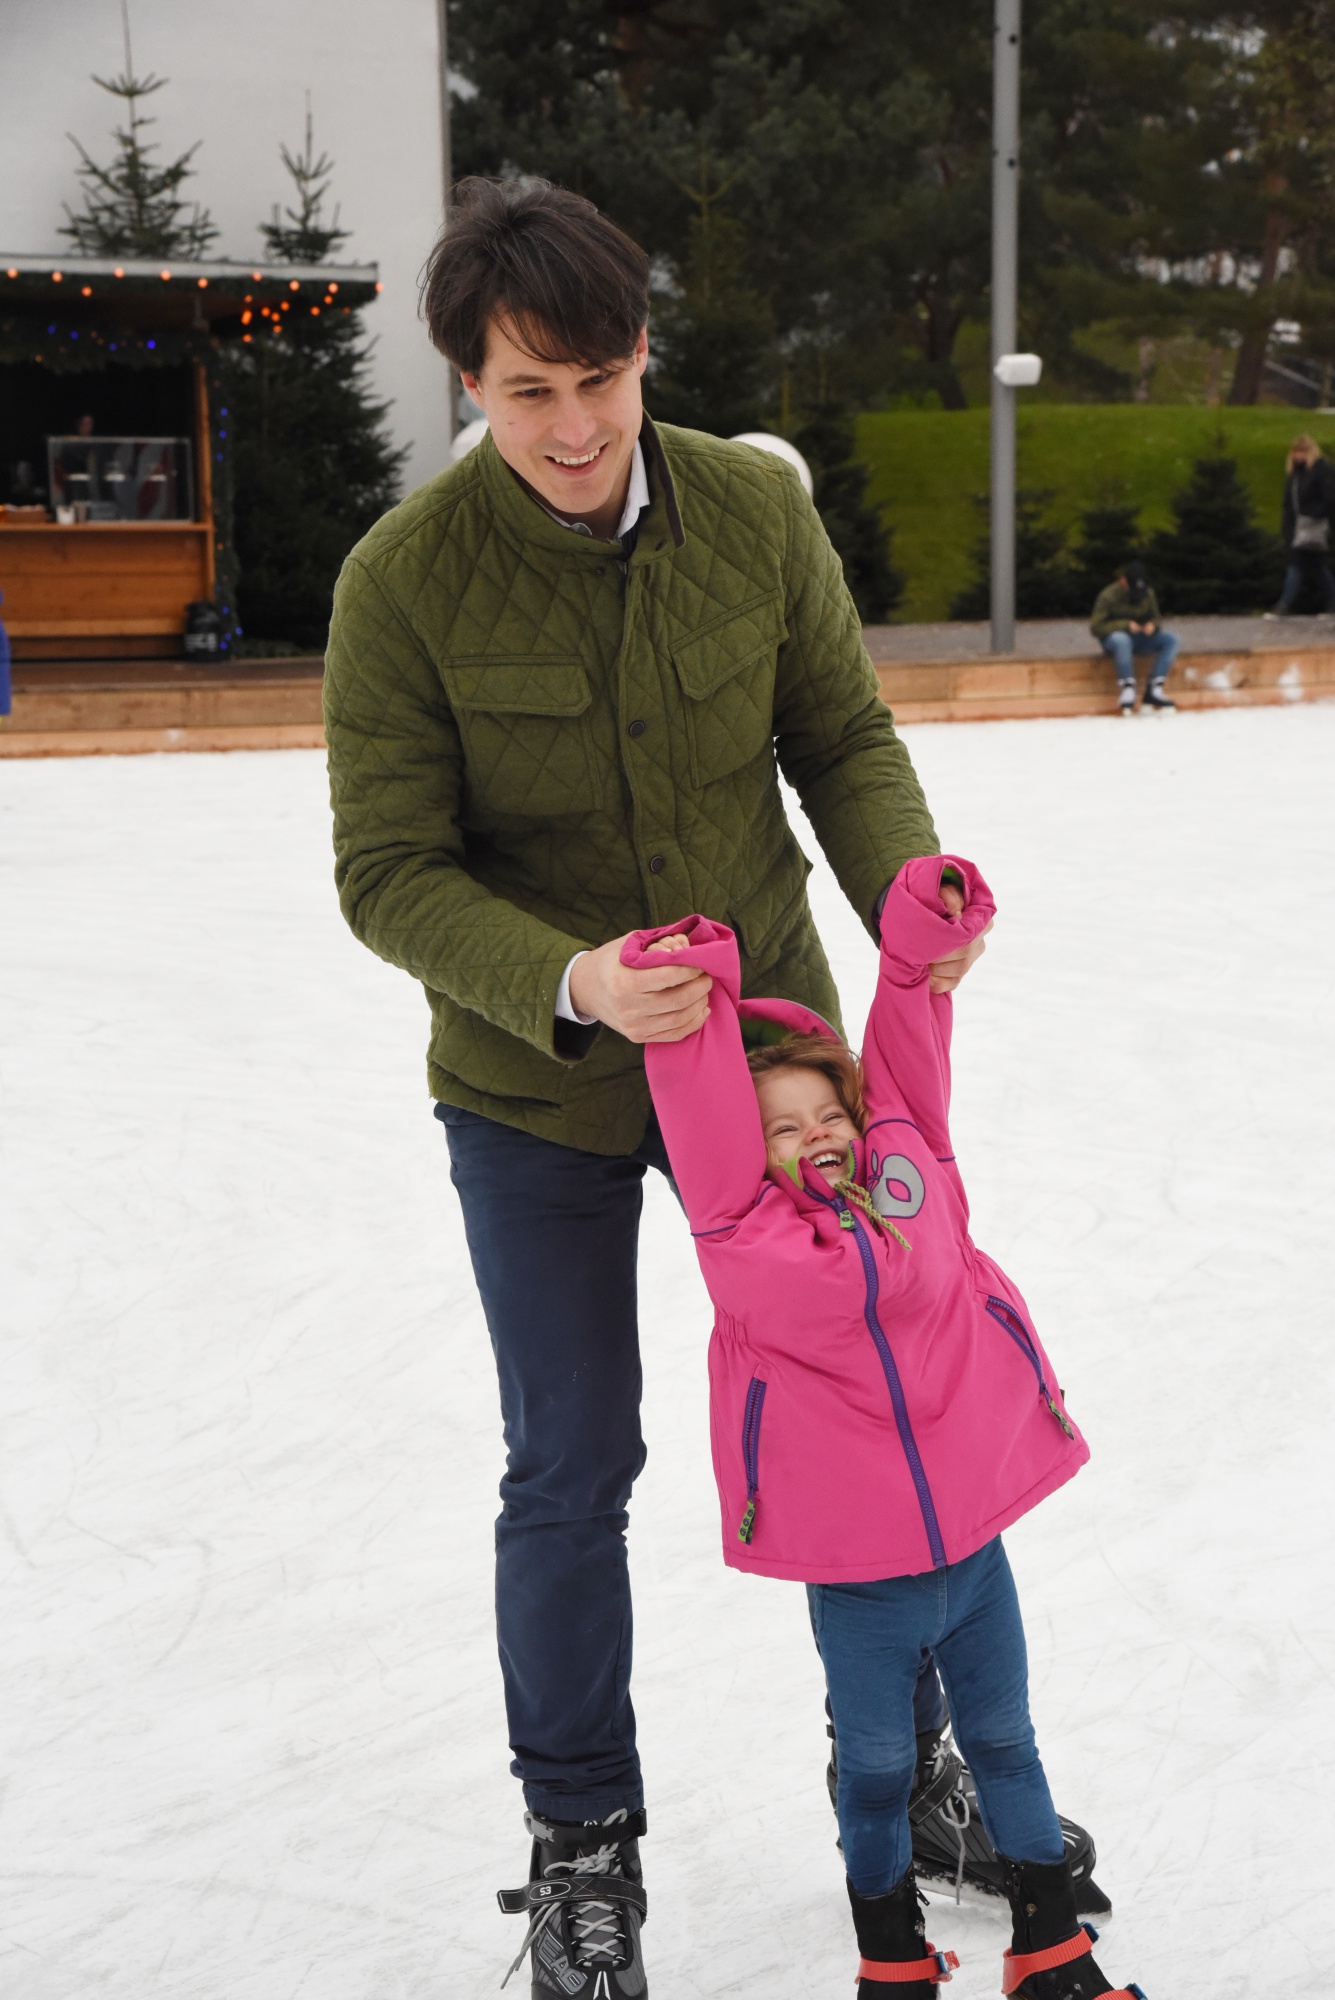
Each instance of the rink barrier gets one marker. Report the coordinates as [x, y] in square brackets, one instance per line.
[114, 706]
[1001, 690]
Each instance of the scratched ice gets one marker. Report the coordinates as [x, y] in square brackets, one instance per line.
[252, 1741]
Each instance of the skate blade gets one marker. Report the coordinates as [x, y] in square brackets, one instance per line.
[976, 1896]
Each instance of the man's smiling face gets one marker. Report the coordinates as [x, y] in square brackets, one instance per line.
[567, 429]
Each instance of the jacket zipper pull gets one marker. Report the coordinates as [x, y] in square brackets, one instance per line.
[748, 1522]
[845, 1215]
[1058, 1412]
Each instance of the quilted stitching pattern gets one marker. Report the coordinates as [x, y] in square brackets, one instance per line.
[494, 811]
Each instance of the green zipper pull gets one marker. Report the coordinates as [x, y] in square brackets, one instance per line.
[747, 1529]
[1059, 1414]
[846, 1219]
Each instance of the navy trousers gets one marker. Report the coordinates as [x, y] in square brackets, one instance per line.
[553, 1234]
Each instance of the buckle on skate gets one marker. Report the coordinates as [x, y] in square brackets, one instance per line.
[1016, 1966]
[542, 1895]
[938, 1966]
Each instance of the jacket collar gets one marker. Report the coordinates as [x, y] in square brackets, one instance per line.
[661, 532]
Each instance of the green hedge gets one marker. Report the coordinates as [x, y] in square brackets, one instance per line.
[925, 466]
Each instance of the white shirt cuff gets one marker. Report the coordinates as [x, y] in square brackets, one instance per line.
[565, 1009]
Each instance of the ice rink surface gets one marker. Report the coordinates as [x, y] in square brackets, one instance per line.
[253, 1745]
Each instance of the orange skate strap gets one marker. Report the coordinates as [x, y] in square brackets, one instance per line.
[1016, 1966]
[900, 1971]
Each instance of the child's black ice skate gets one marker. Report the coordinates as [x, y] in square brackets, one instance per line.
[952, 1855]
[951, 1851]
[585, 1903]
[1051, 1952]
[895, 1952]
[1156, 701]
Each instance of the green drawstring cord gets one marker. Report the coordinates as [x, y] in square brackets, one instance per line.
[860, 1199]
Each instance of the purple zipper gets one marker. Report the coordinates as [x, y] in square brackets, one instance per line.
[896, 1388]
[1005, 1315]
[755, 1405]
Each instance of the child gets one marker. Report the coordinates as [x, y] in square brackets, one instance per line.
[880, 1405]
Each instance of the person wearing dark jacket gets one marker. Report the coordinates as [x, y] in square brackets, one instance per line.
[1125, 621]
[1309, 507]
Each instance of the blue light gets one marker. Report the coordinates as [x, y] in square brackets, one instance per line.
[73, 334]
[150, 343]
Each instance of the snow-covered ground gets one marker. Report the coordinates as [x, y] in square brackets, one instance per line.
[251, 1736]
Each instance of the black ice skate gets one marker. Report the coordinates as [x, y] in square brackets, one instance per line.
[1050, 1956]
[1157, 701]
[891, 1938]
[585, 1903]
[952, 1854]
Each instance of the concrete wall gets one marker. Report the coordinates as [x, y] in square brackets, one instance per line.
[238, 76]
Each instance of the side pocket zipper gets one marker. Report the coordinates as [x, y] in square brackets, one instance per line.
[755, 1404]
[1005, 1315]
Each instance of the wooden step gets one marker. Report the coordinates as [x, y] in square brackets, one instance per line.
[116, 706]
[998, 690]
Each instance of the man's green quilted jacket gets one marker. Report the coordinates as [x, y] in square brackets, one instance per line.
[535, 747]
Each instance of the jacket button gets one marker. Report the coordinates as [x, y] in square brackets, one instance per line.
[656, 864]
[635, 728]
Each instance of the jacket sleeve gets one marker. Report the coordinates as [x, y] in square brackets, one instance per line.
[907, 1043]
[701, 1087]
[1108, 616]
[834, 736]
[395, 781]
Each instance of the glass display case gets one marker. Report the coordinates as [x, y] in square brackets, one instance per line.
[120, 478]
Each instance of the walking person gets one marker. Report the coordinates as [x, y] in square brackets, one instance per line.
[881, 1409]
[1126, 622]
[1309, 505]
[562, 681]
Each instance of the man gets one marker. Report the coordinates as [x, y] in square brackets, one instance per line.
[562, 679]
[1125, 621]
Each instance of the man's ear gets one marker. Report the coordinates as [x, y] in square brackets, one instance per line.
[470, 383]
[640, 356]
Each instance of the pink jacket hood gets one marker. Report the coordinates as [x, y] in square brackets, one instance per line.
[879, 1401]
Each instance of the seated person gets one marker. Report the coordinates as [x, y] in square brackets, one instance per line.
[1126, 621]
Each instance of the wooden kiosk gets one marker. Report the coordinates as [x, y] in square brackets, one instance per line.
[114, 453]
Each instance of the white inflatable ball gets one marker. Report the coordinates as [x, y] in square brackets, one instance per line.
[766, 441]
[465, 439]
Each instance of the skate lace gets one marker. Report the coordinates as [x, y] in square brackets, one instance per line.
[957, 1816]
[595, 1928]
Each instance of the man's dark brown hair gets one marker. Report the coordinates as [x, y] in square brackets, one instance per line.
[572, 285]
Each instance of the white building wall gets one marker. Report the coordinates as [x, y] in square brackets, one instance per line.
[238, 77]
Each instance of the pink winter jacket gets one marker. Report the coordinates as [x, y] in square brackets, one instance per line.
[875, 1411]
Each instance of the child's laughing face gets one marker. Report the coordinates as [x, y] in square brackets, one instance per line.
[803, 1119]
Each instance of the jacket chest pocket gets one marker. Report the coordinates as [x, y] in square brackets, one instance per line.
[727, 678]
[526, 732]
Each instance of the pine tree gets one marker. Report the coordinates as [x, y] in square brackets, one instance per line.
[133, 208]
[1109, 540]
[1043, 585]
[858, 530]
[711, 337]
[314, 468]
[1215, 558]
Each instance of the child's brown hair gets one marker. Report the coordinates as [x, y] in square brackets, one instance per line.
[815, 1051]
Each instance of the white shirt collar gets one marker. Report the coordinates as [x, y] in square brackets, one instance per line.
[637, 499]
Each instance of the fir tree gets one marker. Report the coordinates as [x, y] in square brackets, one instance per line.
[712, 337]
[300, 235]
[1109, 540]
[858, 530]
[314, 468]
[134, 208]
[1042, 571]
[1215, 558]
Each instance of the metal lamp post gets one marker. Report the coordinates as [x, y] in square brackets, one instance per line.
[447, 183]
[1005, 252]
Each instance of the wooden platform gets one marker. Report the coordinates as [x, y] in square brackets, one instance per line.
[998, 690]
[119, 706]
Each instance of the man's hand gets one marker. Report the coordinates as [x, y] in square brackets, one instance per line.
[662, 1005]
[948, 972]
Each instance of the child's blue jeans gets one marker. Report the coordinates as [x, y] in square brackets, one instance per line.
[871, 1638]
